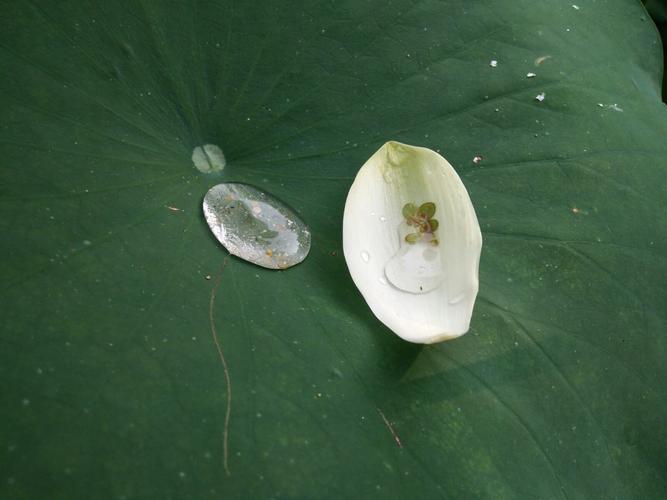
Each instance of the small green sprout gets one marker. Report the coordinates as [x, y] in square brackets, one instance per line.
[412, 238]
[409, 210]
[422, 219]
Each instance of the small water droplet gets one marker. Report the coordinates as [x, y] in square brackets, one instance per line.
[255, 226]
[383, 218]
[365, 256]
[208, 158]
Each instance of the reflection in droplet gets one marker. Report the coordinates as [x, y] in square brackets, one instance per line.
[208, 158]
[256, 226]
[365, 256]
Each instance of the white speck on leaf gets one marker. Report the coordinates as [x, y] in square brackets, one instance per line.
[613, 107]
[531, 75]
[493, 63]
[540, 97]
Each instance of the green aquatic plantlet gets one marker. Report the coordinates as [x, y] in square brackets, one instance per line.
[422, 219]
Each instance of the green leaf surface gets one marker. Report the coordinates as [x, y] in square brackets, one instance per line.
[112, 384]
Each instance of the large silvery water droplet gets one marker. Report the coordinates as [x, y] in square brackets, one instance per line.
[255, 226]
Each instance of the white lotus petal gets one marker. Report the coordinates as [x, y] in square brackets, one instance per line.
[423, 291]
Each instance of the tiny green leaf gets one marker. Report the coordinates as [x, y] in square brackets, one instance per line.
[427, 209]
[434, 224]
[409, 210]
[412, 238]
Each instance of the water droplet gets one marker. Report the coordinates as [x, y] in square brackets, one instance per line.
[208, 158]
[416, 267]
[430, 254]
[383, 218]
[255, 226]
[365, 256]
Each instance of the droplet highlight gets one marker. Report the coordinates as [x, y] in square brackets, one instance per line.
[208, 158]
[255, 226]
[365, 256]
